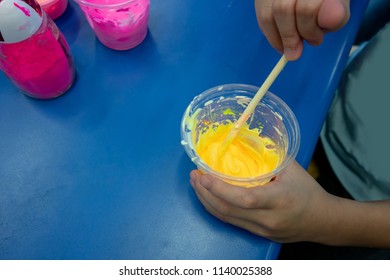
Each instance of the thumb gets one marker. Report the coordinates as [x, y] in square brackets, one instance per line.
[333, 14]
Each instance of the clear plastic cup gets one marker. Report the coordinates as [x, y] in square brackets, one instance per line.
[272, 115]
[118, 24]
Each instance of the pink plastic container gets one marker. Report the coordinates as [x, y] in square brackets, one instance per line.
[118, 24]
[37, 57]
[54, 8]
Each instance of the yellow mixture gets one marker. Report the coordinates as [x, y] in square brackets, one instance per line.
[248, 155]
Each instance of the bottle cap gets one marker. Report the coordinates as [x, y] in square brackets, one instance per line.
[19, 20]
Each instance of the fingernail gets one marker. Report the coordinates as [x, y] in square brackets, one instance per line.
[205, 181]
[192, 176]
[291, 54]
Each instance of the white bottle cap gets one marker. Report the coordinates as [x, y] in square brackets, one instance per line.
[18, 20]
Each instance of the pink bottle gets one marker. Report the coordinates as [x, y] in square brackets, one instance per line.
[53, 8]
[33, 52]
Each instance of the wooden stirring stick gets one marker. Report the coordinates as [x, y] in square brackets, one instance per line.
[256, 99]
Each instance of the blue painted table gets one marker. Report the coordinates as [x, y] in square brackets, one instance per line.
[99, 173]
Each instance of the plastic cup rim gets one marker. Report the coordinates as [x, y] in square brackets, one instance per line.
[91, 4]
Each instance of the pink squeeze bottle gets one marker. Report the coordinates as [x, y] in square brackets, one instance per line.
[33, 52]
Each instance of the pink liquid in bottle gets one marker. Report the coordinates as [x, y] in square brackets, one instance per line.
[40, 65]
[54, 8]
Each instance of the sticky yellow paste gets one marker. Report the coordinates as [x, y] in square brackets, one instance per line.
[248, 155]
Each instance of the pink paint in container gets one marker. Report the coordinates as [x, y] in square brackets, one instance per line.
[53, 8]
[33, 52]
[118, 24]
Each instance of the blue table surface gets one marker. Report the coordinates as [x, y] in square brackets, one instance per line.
[99, 173]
